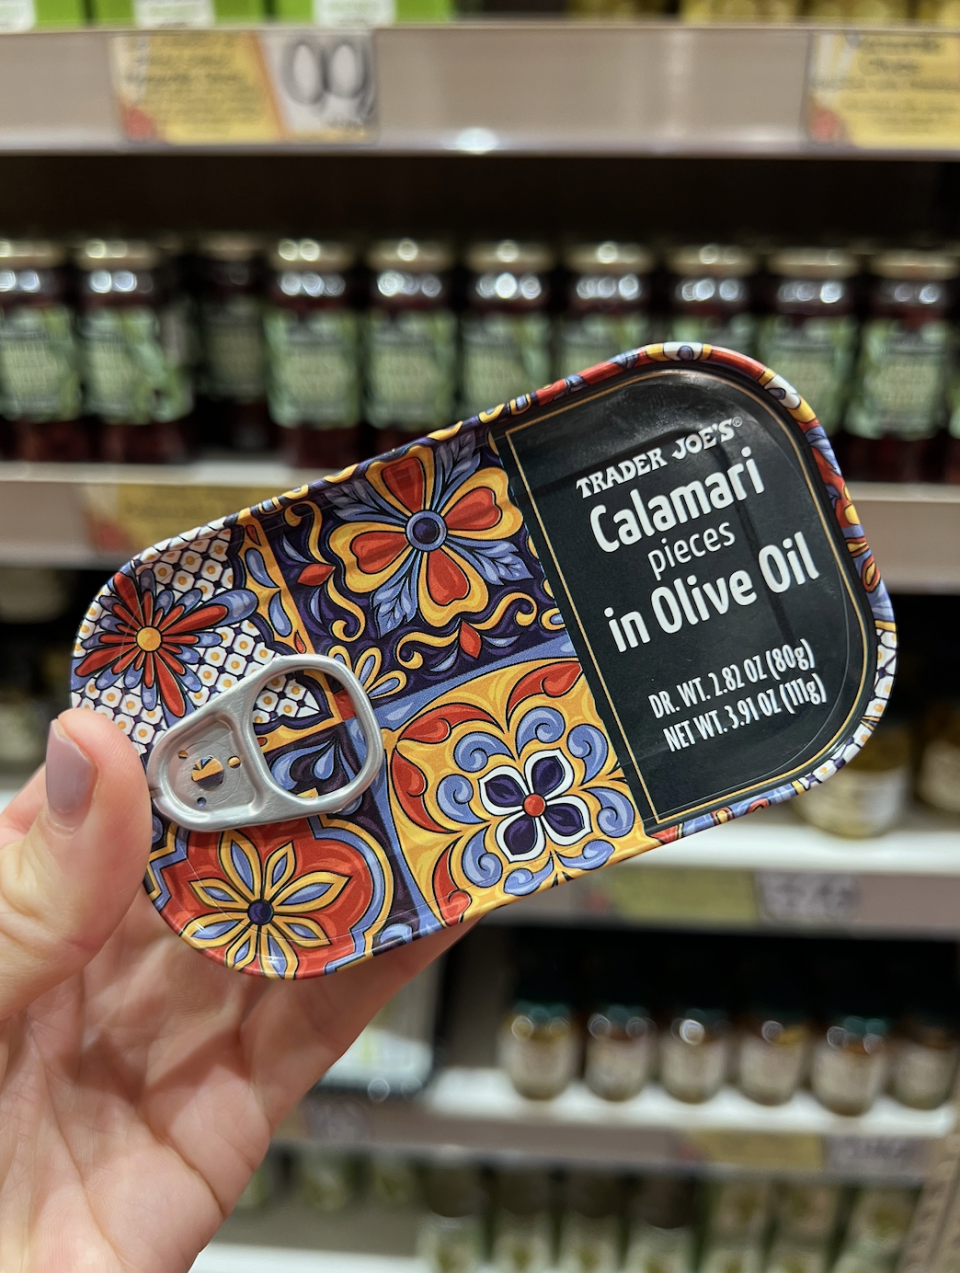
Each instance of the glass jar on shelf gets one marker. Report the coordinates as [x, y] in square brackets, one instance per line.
[661, 1237]
[807, 1213]
[938, 13]
[615, 8]
[712, 296]
[621, 1045]
[810, 336]
[850, 1064]
[879, 1222]
[180, 311]
[523, 1221]
[899, 400]
[589, 1238]
[132, 355]
[740, 10]
[694, 1054]
[773, 1054]
[312, 346]
[410, 341]
[22, 724]
[233, 380]
[938, 781]
[925, 1057]
[327, 1179]
[451, 1238]
[608, 303]
[505, 332]
[737, 1218]
[787, 1256]
[860, 12]
[39, 363]
[539, 1048]
[869, 795]
[393, 1181]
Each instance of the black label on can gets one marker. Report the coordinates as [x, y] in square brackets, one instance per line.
[707, 589]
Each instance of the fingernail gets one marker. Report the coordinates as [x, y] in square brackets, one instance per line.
[70, 776]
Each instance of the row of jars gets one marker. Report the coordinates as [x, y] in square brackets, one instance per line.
[527, 1219]
[860, 12]
[281, 343]
[695, 1052]
[903, 759]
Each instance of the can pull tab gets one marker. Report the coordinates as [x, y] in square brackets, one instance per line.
[207, 772]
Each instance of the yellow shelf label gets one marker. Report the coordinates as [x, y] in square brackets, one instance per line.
[756, 1151]
[883, 90]
[642, 891]
[194, 87]
[191, 88]
[130, 516]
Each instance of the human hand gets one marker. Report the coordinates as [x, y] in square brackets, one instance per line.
[140, 1083]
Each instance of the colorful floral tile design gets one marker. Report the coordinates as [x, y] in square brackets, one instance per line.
[416, 572]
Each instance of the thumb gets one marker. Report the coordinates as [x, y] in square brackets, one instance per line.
[65, 887]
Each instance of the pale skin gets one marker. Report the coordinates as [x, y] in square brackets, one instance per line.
[140, 1082]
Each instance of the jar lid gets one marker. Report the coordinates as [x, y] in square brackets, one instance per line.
[510, 254]
[321, 254]
[540, 1013]
[230, 245]
[921, 266]
[813, 263]
[860, 1027]
[41, 253]
[415, 255]
[618, 1016]
[136, 253]
[608, 258]
[718, 260]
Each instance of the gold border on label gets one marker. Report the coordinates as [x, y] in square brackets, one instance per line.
[762, 784]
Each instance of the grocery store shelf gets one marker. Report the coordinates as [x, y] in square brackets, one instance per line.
[224, 1257]
[360, 1237]
[768, 871]
[508, 87]
[914, 531]
[98, 514]
[771, 870]
[926, 845]
[475, 1111]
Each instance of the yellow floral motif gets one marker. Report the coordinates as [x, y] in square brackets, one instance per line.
[259, 910]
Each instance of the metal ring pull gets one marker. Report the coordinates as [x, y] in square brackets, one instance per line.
[207, 772]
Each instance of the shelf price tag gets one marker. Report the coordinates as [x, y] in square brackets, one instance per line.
[807, 897]
[324, 83]
[335, 1120]
[193, 88]
[122, 517]
[884, 91]
[897, 1157]
[677, 894]
[189, 88]
[759, 1151]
